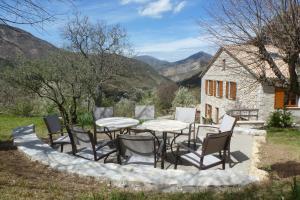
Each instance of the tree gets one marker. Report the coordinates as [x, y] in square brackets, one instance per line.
[100, 44]
[260, 23]
[58, 78]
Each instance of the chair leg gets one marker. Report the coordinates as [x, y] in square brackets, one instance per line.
[61, 148]
[224, 160]
[177, 158]
[229, 159]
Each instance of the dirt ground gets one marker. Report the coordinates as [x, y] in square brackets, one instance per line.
[282, 160]
[21, 178]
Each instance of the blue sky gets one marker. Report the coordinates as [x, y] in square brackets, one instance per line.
[166, 29]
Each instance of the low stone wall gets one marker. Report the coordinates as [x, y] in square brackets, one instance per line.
[137, 177]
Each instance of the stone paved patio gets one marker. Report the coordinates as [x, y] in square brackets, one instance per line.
[143, 177]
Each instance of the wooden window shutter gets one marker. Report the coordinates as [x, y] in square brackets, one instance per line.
[215, 88]
[279, 98]
[233, 90]
[210, 88]
[227, 85]
[221, 88]
[206, 86]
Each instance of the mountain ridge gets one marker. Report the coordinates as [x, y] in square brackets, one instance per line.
[180, 70]
[16, 42]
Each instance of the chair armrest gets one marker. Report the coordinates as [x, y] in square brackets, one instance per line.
[208, 134]
[189, 149]
[208, 126]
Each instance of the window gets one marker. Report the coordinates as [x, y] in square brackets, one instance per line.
[224, 65]
[219, 89]
[208, 111]
[290, 100]
[282, 99]
[231, 90]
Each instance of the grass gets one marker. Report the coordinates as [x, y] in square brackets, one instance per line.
[9, 122]
[288, 137]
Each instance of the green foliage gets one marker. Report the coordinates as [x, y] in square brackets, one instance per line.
[165, 94]
[184, 98]
[280, 119]
[124, 108]
[85, 119]
[23, 108]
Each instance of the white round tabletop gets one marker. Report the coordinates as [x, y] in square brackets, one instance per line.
[165, 125]
[117, 122]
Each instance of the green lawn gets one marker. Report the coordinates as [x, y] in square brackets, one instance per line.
[289, 137]
[9, 122]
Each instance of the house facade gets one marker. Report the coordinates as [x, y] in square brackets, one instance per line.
[231, 83]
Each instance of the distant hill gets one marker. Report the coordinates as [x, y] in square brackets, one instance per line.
[181, 70]
[154, 62]
[16, 42]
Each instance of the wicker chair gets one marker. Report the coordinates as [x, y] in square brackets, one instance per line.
[203, 158]
[135, 149]
[54, 127]
[87, 148]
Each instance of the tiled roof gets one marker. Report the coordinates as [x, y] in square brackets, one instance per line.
[248, 55]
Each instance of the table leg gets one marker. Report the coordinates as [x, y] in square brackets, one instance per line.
[164, 150]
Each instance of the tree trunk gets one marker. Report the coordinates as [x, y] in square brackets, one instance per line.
[73, 111]
[67, 124]
[294, 84]
[98, 96]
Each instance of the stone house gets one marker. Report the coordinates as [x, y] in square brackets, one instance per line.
[231, 82]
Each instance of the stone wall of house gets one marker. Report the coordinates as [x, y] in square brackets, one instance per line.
[250, 93]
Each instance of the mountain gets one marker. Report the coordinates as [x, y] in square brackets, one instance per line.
[153, 62]
[187, 68]
[180, 71]
[15, 42]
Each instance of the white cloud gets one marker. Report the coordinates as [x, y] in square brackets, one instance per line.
[179, 7]
[156, 8]
[124, 2]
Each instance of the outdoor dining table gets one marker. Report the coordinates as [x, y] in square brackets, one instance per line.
[116, 123]
[164, 126]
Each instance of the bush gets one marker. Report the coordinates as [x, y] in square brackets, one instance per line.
[124, 108]
[23, 108]
[184, 98]
[280, 119]
[85, 119]
[165, 95]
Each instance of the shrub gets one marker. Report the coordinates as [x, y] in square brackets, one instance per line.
[85, 119]
[23, 108]
[124, 108]
[165, 95]
[280, 119]
[184, 98]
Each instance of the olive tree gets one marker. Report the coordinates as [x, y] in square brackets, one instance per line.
[261, 23]
[101, 45]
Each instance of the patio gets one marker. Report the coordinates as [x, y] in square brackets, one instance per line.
[186, 177]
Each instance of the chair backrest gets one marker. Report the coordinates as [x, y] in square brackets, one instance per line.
[129, 145]
[215, 143]
[144, 112]
[187, 115]
[103, 112]
[82, 138]
[227, 124]
[53, 123]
